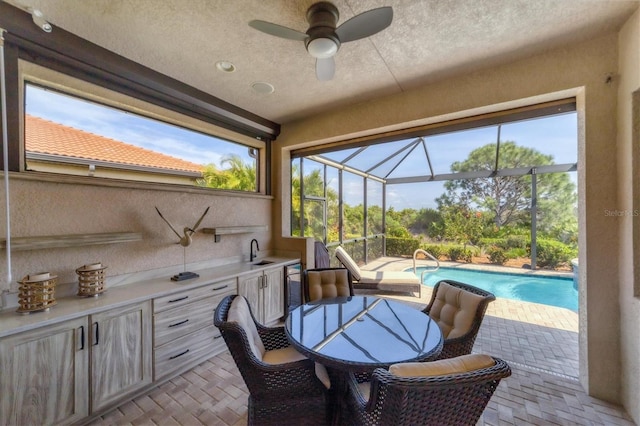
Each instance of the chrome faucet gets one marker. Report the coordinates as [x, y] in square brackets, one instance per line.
[253, 254]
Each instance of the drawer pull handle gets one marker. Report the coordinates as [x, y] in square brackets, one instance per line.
[217, 337]
[82, 337]
[179, 323]
[179, 355]
[220, 288]
[178, 299]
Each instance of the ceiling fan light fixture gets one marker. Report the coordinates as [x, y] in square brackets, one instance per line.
[322, 47]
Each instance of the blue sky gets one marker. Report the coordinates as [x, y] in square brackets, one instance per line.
[129, 128]
[556, 136]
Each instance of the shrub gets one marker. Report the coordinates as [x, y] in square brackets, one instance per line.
[460, 253]
[508, 242]
[551, 253]
[515, 253]
[496, 255]
[402, 246]
[436, 250]
[516, 241]
[489, 242]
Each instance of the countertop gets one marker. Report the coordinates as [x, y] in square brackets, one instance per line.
[68, 308]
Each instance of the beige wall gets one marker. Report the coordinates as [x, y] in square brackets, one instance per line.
[580, 71]
[46, 208]
[629, 201]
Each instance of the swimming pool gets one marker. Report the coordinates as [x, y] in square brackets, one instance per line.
[553, 291]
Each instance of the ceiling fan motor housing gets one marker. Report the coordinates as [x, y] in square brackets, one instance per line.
[323, 19]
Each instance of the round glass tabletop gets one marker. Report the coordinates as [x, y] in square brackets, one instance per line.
[363, 332]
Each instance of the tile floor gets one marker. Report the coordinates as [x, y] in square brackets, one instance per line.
[540, 343]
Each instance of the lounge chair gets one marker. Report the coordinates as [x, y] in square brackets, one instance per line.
[395, 281]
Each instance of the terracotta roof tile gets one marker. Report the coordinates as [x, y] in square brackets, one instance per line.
[46, 137]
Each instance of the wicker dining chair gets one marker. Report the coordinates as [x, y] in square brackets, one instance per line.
[322, 283]
[285, 387]
[447, 392]
[458, 309]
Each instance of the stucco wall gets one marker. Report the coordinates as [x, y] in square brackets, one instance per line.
[580, 70]
[629, 201]
[47, 208]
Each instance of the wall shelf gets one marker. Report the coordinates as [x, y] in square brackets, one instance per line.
[230, 230]
[76, 240]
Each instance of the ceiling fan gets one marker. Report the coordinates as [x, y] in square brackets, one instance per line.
[323, 39]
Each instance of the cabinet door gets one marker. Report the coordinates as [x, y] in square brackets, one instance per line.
[44, 375]
[249, 286]
[120, 353]
[273, 295]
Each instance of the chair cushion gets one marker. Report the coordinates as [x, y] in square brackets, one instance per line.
[443, 367]
[365, 389]
[282, 356]
[348, 263]
[289, 354]
[240, 313]
[323, 375]
[329, 283]
[454, 310]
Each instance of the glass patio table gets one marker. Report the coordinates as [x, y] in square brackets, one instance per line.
[361, 333]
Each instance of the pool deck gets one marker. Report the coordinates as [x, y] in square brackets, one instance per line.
[399, 264]
[540, 343]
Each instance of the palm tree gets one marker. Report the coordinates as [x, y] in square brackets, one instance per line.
[238, 176]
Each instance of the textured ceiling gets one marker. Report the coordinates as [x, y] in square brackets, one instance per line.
[427, 41]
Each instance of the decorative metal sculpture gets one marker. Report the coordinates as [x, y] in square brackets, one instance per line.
[185, 239]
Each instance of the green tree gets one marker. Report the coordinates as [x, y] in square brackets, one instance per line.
[313, 214]
[242, 176]
[509, 197]
[396, 223]
[461, 224]
[427, 222]
[238, 175]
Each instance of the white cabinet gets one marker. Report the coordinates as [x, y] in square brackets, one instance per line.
[183, 329]
[264, 290]
[44, 376]
[120, 353]
[60, 374]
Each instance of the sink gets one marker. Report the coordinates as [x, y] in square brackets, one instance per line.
[263, 262]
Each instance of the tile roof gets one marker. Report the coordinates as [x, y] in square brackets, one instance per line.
[46, 137]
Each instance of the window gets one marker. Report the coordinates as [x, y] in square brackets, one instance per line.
[68, 134]
[486, 177]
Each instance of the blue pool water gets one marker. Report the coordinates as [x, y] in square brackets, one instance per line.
[553, 291]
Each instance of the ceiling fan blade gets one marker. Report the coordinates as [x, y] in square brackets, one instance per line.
[325, 68]
[277, 30]
[365, 24]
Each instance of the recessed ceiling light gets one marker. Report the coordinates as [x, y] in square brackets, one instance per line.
[262, 87]
[225, 66]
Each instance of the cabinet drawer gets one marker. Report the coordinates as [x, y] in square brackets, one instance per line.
[174, 323]
[180, 299]
[186, 351]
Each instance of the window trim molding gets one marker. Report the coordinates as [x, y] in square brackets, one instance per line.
[475, 121]
[131, 184]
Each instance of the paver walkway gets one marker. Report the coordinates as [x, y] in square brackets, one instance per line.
[539, 342]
